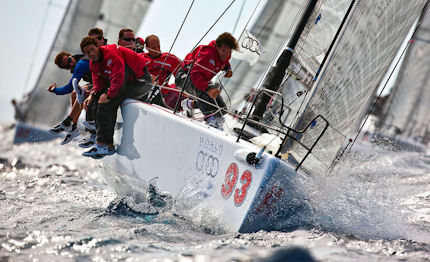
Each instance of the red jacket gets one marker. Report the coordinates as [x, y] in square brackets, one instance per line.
[207, 64]
[111, 67]
[170, 66]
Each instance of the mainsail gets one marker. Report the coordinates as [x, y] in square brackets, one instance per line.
[407, 113]
[45, 108]
[361, 55]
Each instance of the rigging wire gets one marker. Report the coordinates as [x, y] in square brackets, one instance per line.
[216, 21]
[244, 28]
[275, 56]
[250, 17]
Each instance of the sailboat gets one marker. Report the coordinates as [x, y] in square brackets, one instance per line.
[404, 122]
[223, 174]
[42, 109]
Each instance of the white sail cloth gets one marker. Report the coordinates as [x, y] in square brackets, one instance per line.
[408, 110]
[361, 55]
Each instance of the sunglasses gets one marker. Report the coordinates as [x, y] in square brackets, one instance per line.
[129, 39]
[99, 38]
[69, 62]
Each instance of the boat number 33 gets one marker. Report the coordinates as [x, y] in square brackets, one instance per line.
[230, 182]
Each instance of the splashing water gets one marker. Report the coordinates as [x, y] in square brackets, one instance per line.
[58, 206]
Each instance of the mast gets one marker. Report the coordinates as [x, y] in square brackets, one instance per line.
[274, 78]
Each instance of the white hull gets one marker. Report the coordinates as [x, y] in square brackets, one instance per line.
[195, 163]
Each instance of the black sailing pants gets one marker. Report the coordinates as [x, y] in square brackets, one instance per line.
[107, 112]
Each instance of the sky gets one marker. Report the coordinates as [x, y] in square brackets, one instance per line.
[28, 27]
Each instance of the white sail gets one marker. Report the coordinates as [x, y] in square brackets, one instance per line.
[418, 125]
[362, 54]
[45, 108]
[408, 113]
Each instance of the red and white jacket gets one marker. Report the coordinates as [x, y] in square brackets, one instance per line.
[207, 64]
[162, 66]
[111, 68]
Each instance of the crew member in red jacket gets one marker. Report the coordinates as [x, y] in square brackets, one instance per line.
[115, 71]
[161, 66]
[198, 68]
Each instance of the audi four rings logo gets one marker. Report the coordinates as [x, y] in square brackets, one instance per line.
[207, 163]
[251, 44]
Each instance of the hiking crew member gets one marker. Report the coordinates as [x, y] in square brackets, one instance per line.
[115, 71]
[91, 111]
[161, 66]
[80, 68]
[205, 62]
[78, 65]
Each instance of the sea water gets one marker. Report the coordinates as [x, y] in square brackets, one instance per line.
[55, 205]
